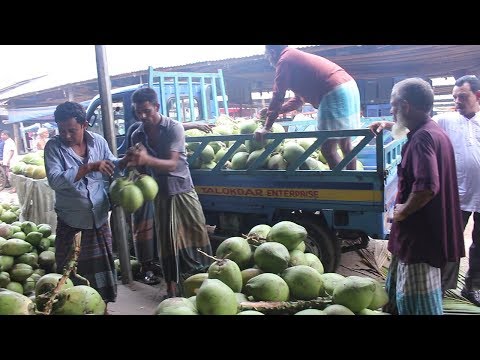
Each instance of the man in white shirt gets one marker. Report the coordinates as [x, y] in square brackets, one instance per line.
[463, 129]
[9, 152]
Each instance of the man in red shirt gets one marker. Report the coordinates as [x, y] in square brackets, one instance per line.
[320, 82]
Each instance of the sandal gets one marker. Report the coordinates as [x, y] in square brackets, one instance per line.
[149, 278]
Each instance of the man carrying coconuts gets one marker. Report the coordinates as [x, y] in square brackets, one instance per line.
[144, 240]
[179, 220]
[78, 163]
[427, 231]
[322, 83]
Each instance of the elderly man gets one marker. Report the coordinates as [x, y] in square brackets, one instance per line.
[426, 233]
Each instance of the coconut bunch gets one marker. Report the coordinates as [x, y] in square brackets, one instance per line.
[131, 191]
[270, 271]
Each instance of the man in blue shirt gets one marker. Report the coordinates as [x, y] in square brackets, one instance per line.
[78, 164]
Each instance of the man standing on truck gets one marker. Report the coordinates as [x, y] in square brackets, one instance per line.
[463, 128]
[426, 233]
[320, 82]
[179, 220]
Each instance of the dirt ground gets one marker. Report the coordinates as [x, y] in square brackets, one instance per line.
[140, 299]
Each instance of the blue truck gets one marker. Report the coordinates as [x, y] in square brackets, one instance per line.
[341, 209]
[197, 96]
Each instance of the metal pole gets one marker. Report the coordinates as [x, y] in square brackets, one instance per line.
[119, 230]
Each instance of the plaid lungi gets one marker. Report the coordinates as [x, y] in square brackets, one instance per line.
[95, 262]
[181, 230]
[144, 233]
[414, 289]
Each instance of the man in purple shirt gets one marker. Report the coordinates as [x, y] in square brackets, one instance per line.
[427, 231]
[320, 82]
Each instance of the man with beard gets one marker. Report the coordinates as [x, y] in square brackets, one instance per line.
[320, 82]
[463, 129]
[426, 233]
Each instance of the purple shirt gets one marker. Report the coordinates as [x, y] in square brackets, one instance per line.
[309, 76]
[433, 234]
[172, 138]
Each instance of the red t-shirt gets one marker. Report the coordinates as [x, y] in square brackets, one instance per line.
[309, 76]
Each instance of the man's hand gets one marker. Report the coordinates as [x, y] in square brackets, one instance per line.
[106, 167]
[262, 114]
[376, 127]
[207, 128]
[259, 134]
[137, 155]
[399, 212]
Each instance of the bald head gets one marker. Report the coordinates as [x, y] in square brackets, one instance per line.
[417, 92]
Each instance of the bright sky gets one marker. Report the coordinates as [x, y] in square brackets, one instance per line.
[71, 63]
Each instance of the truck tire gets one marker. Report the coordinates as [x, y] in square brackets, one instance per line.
[321, 241]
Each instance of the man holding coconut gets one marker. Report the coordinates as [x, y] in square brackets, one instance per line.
[179, 220]
[78, 163]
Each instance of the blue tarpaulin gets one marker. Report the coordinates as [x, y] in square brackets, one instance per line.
[34, 114]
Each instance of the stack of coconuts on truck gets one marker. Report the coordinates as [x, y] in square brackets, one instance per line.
[242, 183]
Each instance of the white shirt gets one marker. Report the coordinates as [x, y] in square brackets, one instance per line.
[9, 146]
[465, 137]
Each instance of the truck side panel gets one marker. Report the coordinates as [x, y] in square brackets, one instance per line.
[356, 199]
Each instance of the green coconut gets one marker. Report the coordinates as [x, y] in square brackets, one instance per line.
[304, 282]
[260, 231]
[380, 296]
[276, 162]
[176, 306]
[336, 309]
[193, 283]
[228, 272]
[301, 247]
[216, 298]
[14, 303]
[354, 292]
[310, 312]
[330, 281]
[250, 312]
[79, 300]
[236, 249]
[271, 257]
[287, 233]
[249, 273]
[314, 262]
[297, 257]
[267, 287]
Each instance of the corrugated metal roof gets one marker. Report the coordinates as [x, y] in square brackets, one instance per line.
[363, 62]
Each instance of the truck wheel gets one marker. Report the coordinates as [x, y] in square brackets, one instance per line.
[322, 242]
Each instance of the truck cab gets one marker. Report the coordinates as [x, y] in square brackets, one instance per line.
[185, 97]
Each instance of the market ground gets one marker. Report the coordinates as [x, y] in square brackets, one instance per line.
[140, 299]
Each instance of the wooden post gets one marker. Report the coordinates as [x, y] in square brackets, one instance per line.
[119, 231]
